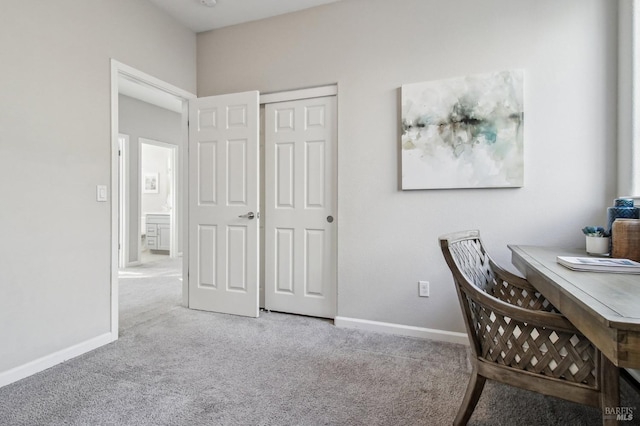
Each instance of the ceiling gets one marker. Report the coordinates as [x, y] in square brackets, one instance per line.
[198, 17]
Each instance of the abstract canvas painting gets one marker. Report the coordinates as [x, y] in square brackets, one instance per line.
[464, 132]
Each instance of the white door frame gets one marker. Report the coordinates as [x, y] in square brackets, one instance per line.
[120, 70]
[176, 213]
[123, 200]
[295, 95]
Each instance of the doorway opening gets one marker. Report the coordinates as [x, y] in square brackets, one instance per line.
[160, 234]
[127, 190]
[150, 280]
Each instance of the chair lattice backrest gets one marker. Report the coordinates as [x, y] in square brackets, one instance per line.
[476, 265]
[510, 323]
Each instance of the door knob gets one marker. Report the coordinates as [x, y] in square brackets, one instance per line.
[249, 215]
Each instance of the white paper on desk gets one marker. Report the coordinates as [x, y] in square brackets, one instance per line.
[600, 264]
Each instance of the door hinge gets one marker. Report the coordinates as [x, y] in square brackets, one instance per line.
[119, 153]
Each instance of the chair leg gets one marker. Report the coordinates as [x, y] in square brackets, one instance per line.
[471, 397]
[609, 390]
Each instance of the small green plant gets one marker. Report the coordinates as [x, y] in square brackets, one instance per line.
[595, 231]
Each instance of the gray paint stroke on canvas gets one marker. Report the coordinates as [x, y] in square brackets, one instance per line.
[464, 132]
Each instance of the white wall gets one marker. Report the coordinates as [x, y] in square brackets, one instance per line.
[388, 238]
[55, 147]
[140, 119]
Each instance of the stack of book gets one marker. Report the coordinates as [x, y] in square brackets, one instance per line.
[600, 264]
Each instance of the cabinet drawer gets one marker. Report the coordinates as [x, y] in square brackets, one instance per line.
[152, 230]
[158, 218]
[152, 242]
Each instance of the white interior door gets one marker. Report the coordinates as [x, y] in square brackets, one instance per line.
[223, 203]
[300, 203]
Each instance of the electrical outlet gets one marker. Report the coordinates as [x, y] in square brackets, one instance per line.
[423, 288]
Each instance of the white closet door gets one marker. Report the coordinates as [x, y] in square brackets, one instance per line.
[223, 204]
[300, 203]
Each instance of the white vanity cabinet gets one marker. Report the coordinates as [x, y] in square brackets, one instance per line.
[158, 231]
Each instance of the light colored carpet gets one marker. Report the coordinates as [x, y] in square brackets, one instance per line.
[149, 290]
[175, 366]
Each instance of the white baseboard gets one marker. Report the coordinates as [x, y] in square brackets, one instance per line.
[402, 330]
[48, 361]
[634, 373]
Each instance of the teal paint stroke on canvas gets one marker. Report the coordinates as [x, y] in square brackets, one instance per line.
[464, 132]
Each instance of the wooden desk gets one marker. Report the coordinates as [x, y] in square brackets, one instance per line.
[604, 307]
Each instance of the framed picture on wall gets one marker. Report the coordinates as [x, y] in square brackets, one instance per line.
[150, 183]
[463, 132]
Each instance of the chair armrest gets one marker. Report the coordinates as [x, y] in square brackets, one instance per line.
[526, 295]
[511, 278]
[539, 318]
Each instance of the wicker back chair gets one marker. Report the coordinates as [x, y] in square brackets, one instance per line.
[517, 337]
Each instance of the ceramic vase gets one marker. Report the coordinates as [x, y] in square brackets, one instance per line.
[597, 245]
[623, 208]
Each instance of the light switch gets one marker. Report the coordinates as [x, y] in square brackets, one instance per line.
[101, 193]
